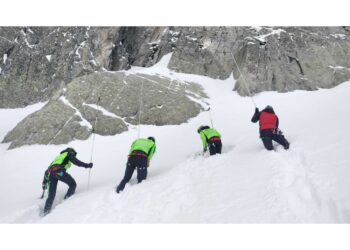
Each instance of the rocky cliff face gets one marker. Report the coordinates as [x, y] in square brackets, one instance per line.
[277, 58]
[70, 66]
[37, 61]
[40, 60]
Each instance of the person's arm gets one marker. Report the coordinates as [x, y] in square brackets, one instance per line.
[256, 115]
[204, 141]
[77, 162]
[151, 152]
[277, 121]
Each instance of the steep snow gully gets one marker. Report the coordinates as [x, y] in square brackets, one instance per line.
[246, 184]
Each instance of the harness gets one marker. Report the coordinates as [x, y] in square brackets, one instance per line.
[138, 153]
[55, 168]
[215, 138]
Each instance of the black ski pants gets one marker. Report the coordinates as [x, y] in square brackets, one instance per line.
[54, 178]
[215, 147]
[268, 136]
[134, 162]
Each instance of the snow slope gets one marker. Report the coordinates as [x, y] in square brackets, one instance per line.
[246, 184]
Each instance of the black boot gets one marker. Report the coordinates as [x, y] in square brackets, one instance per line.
[120, 187]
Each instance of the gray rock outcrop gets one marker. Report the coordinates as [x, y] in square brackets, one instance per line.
[70, 67]
[277, 58]
[37, 61]
[108, 103]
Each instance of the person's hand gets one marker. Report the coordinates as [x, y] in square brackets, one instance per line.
[89, 165]
[256, 109]
[204, 151]
[44, 185]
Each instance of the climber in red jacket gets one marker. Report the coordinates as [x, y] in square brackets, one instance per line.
[269, 130]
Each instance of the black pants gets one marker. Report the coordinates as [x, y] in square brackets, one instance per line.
[268, 136]
[54, 178]
[138, 162]
[215, 147]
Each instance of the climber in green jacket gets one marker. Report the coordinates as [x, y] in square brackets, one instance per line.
[210, 138]
[140, 154]
[57, 171]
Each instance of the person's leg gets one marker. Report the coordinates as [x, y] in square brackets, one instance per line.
[141, 169]
[141, 174]
[127, 176]
[267, 143]
[68, 179]
[218, 145]
[281, 140]
[51, 196]
[212, 148]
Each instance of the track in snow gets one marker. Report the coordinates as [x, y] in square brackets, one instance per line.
[300, 193]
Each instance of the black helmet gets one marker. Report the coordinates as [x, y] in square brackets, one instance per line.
[70, 150]
[151, 138]
[269, 108]
[202, 128]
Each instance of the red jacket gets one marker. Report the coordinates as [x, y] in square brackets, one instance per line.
[267, 120]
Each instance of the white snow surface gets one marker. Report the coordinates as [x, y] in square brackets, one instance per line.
[273, 32]
[4, 59]
[246, 184]
[48, 57]
[83, 121]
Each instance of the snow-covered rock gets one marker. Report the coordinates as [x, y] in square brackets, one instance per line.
[108, 103]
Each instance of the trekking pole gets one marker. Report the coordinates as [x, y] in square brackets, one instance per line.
[210, 117]
[93, 142]
[140, 110]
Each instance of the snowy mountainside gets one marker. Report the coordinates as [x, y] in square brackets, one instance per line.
[246, 184]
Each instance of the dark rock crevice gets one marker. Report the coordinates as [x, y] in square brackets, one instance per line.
[293, 59]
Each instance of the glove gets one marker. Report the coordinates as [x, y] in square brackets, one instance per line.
[277, 131]
[89, 165]
[256, 110]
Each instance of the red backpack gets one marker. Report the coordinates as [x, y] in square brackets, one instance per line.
[267, 120]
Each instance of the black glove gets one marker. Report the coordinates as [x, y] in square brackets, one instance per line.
[89, 165]
[256, 110]
[279, 132]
